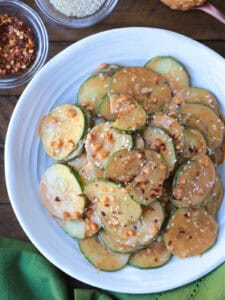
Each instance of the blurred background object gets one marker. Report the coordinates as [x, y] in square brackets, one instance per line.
[202, 5]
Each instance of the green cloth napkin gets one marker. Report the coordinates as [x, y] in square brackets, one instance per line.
[26, 275]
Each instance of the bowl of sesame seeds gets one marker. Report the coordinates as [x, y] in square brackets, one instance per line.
[76, 14]
[23, 43]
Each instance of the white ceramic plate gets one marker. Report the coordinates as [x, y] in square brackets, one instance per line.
[25, 160]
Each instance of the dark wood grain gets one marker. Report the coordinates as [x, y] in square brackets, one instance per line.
[152, 13]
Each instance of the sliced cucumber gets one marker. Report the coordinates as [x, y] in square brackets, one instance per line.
[194, 95]
[84, 227]
[123, 166]
[112, 245]
[155, 255]
[92, 90]
[108, 69]
[76, 152]
[193, 181]
[89, 172]
[62, 130]
[103, 109]
[145, 86]
[102, 141]
[141, 232]
[139, 142]
[158, 140]
[130, 116]
[171, 126]
[145, 188]
[113, 202]
[100, 257]
[74, 228]
[204, 119]
[172, 70]
[78, 162]
[61, 192]
[214, 200]
[190, 231]
[194, 143]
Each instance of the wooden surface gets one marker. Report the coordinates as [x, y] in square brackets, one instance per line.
[151, 13]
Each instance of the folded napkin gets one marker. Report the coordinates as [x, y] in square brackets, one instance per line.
[26, 275]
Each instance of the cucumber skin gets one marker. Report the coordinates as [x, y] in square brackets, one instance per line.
[100, 103]
[148, 268]
[170, 218]
[173, 185]
[108, 271]
[205, 135]
[115, 251]
[177, 61]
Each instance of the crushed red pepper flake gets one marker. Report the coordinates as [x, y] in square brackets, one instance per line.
[17, 45]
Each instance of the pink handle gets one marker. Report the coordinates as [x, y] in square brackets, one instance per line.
[213, 11]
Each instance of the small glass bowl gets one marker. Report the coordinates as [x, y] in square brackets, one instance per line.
[32, 20]
[76, 22]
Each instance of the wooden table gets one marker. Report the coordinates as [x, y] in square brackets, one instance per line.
[151, 13]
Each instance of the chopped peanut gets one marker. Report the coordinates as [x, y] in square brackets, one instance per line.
[103, 66]
[130, 232]
[96, 147]
[68, 145]
[93, 226]
[162, 167]
[71, 113]
[56, 144]
[66, 215]
[76, 215]
[52, 120]
[201, 191]
[103, 154]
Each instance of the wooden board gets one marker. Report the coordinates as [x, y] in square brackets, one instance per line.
[150, 13]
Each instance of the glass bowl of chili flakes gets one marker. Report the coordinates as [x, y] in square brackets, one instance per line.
[23, 43]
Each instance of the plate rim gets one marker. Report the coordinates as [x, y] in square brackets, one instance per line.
[7, 163]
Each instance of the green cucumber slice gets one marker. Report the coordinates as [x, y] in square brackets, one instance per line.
[193, 181]
[206, 121]
[194, 95]
[141, 232]
[103, 109]
[171, 126]
[194, 143]
[89, 172]
[145, 188]
[93, 89]
[190, 231]
[78, 162]
[108, 69]
[100, 257]
[113, 202]
[61, 192]
[158, 140]
[155, 255]
[130, 116]
[123, 166]
[84, 227]
[113, 246]
[145, 86]
[139, 142]
[62, 130]
[102, 141]
[76, 152]
[172, 70]
[214, 200]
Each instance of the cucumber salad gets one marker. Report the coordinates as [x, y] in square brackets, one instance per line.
[134, 178]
